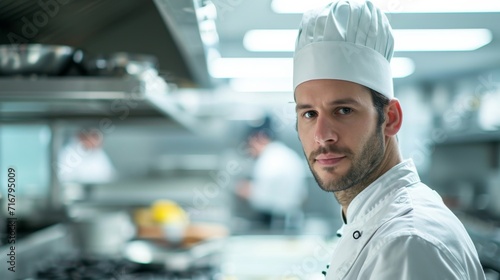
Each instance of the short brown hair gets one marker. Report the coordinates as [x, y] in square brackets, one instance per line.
[379, 102]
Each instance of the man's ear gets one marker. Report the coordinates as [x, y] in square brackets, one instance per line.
[393, 117]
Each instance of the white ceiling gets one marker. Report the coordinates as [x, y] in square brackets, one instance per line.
[235, 17]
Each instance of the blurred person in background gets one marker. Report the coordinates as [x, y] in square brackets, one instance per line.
[395, 227]
[84, 162]
[277, 188]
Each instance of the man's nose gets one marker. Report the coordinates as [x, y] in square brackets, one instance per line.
[325, 131]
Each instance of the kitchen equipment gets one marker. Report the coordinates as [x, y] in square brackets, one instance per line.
[36, 250]
[120, 64]
[201, 256]
[74, 267]
[50, 254]
[99, 268]
[493, 185]
[101, 232]
[35, 59]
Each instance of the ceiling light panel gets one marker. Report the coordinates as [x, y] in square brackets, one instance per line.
[440, 39]
[272, 40]
[275, 74]
[251, 67]
[400, 6]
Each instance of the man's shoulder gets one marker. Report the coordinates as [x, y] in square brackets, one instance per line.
[416, 253]
[424, 237]
[423, 217]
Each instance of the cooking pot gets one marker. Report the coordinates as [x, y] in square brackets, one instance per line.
[35, 59]
[101, 232]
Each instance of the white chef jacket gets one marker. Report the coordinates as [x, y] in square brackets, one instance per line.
[398, 228]
[278, 184]
[86, 166]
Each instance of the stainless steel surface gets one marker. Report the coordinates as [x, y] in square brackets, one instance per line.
[181, 18]
[55, 201]
[70, 88]
[35, 249]
[111, 98]
[114, 98]
[120, 64]
[34, 59]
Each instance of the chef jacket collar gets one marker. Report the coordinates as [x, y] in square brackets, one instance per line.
[367, 203]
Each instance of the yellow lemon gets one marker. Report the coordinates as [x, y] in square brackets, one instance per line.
[167, 211]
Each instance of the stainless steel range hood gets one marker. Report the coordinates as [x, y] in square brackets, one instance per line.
[183, 18]
[167, 29]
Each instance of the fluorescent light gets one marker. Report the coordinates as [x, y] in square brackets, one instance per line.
[296, 6]
[440, 6]
[400, 6]
[251, 67]
[402, 67]
[275, 74]
[440, 39]
[279, 67]
[283, 40]
[270, 40]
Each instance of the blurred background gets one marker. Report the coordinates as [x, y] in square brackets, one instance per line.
[127, 127]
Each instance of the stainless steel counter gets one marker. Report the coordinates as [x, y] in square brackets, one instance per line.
[276, 257]
[32, 251]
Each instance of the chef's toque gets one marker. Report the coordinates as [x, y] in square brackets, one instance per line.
[346, 40]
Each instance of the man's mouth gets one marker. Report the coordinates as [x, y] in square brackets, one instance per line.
[328, 159]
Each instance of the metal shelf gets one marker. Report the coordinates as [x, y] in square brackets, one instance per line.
[471, 138]
[82, 97]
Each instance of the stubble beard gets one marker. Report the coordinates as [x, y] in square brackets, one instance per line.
[363, 165]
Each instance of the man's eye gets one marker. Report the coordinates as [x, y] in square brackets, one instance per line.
[309, 114]
[345, 111]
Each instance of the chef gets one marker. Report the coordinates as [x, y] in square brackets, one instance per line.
[278, 189]
[84, 161]
[395, 227]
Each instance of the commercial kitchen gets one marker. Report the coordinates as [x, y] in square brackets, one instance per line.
[165, 92]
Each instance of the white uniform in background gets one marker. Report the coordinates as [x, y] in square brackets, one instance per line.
[278, 184]
[85, 166]
[398, 228]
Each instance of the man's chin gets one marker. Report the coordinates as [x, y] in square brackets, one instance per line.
[334, 180]
[328, 182]
[330, 173]
[331, 187]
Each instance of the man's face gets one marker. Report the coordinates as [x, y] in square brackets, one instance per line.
[254, 146]
[337, 125]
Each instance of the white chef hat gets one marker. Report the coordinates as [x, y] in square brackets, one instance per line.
[346, 40]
